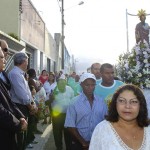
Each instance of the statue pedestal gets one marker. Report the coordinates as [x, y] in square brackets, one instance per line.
[147, 96]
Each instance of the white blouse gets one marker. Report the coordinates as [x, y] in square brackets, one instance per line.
[48, 88]
[106, 138]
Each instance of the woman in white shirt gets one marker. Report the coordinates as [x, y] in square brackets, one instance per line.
[126, 127]
[49, 86]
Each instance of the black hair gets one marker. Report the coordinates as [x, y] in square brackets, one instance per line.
[105, 65]
[142, 118]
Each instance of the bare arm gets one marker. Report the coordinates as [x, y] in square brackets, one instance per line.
[78, 137]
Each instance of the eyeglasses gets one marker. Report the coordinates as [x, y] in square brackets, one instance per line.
[132, 102]
[5, 49]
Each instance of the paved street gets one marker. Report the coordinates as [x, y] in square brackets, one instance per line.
[45, 140]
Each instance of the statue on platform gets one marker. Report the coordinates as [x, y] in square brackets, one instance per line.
[142, 28]
[134, 66]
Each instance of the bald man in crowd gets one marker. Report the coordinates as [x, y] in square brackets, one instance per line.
[95, 69]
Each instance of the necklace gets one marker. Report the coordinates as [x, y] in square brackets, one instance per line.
[129, 142]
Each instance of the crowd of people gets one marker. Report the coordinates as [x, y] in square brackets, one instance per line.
[93, 111]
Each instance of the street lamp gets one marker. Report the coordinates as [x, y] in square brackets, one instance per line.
[62, 30]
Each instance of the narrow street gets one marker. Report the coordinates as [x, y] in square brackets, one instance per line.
[50, 145]
[45, 140]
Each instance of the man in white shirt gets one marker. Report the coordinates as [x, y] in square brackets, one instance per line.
[60, 100]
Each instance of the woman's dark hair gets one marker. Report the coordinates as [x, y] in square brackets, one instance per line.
[43, 71]
[142, 118]
[105, 65]
[31, 72]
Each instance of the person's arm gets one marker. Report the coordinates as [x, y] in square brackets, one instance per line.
[70, 124]
[137, 33]
[20, 87]
[24, 124]
[8, 121]
[22, 90]
[33, 83]
[51, 97]
[74, 132]
[18, 113]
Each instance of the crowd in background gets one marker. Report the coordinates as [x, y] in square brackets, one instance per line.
[74, 104]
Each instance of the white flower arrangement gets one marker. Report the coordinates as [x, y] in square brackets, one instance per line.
[134, 67]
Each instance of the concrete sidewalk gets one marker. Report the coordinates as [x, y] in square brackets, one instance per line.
[42, 139]
[45, 140]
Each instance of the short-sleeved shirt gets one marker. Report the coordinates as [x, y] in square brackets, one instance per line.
[107, 92]
[82, 116]
[62, 100]
[49, 88]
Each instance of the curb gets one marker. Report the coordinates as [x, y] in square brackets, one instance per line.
[42, 138]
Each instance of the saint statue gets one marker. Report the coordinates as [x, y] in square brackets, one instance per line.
[142, 28]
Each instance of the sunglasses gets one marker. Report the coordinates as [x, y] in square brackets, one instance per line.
[5, 49]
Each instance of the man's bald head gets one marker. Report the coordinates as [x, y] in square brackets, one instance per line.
[95, 69]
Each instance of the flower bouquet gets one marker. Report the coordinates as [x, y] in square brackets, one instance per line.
[134, 67]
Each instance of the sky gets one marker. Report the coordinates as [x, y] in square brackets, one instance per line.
[95, 31]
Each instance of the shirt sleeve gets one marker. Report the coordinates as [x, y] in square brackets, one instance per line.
[70, 117]
[7, 120]
[20, 87]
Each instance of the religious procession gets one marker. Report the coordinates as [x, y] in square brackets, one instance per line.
[106, 108]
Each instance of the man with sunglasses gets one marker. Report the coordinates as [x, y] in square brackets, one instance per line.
[3, 74]
[4, 47]
[11, 119]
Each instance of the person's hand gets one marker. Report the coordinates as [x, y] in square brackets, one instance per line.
[85, 145]
[24, 124]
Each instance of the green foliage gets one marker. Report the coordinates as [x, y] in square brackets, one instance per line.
[14, 36]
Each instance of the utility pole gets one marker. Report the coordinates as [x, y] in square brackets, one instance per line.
[127, 31]
[62, 32]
